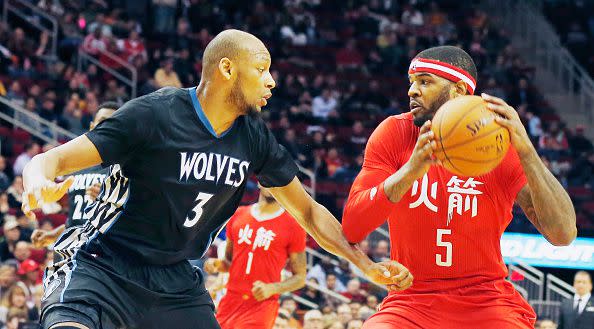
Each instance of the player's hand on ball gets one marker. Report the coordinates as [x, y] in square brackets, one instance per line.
[422, 156]
[46, 192]
[509, 118]
[263, 291]
[93, 191]
[42, 238]
[391, 274]
[211, 266]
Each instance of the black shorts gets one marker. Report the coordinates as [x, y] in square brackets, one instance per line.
[103, 290]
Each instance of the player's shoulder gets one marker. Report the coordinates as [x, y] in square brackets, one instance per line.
[394, 125]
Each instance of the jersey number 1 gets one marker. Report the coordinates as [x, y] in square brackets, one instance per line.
[448, 245]
[194, 215]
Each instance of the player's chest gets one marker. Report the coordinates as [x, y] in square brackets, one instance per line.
[205, 163]
[257, 237]
[444, 197]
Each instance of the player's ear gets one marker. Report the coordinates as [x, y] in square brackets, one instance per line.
[225, 67]
[460, 89]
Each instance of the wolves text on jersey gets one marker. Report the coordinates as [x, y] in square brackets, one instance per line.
[213, 167]
[83, 181]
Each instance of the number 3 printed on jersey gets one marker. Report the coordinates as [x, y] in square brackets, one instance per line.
[194, 215]
[441, 233]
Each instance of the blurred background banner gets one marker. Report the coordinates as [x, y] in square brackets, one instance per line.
[535, 250]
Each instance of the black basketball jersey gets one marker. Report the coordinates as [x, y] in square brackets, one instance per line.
[179, 182]
[77, 198]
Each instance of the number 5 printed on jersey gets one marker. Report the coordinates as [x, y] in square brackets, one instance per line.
[194, 215]
[441, 233]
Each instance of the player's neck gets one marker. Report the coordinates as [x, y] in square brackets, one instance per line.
[267, 208]
[217, 110]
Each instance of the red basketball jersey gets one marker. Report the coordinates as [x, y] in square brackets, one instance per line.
[261, 246]
[446, 228]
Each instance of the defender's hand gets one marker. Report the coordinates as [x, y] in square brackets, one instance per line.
[263, 291]
[509, 118]
[391, 274]
[43, 192]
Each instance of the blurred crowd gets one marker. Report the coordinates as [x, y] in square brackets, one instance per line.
[340, 68]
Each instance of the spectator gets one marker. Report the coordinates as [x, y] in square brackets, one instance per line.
[579, 144]
[165, 76]
[553, 143]
[354, 292]
[14, 319]
[11, 237]
[26, 226]
[16, 299]
[332, 283]
[95, 42]
[15, 94]
[133, 47]
[349, 57]
[29, 118]
[7, 278]
[374, 101]
[289, 305]
[4, 207]
[31, 150]
[30, 276]
[324, 106]
[22, 251]
[311, 293]
[4, 180]
[312, 320]
[164, 11]
[412, 16]
[573, 311]
[372, 302]
[72, 117]
[15, 192]
[333, 161]
[522, 95]
[534, 126]
[381, 252]
[343, 271]
[355, 324]
[493, 89]
[320, 270]
[344, 314]
[357, 139]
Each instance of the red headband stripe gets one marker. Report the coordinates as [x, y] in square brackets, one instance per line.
[443, 70]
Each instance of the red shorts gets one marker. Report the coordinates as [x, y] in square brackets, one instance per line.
[242, 311]
[490, 305]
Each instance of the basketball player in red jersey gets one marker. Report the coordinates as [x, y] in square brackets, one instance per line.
[260, 239]
[445, 228]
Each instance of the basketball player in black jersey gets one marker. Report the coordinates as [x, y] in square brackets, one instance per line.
[83, 191]
[185, 157]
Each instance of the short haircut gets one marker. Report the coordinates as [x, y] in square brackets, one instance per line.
[451, 55]
[583, 273]
[109, 105]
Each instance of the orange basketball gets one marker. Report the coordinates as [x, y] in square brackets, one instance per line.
[469, 141]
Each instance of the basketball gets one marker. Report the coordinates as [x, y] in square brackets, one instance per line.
[469, 141]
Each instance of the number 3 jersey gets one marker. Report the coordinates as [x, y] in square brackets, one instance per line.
[179, 182]
[77, 198]
[261, 246]
[446, 229]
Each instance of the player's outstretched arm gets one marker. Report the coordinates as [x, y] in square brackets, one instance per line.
[543, 198]
[39, 174]
[297, 260]
[326, 230]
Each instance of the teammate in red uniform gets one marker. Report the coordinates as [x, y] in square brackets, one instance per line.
[260, 239]
[446, 229]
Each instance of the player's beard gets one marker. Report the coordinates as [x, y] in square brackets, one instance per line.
[443, 97]
[237, 98]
